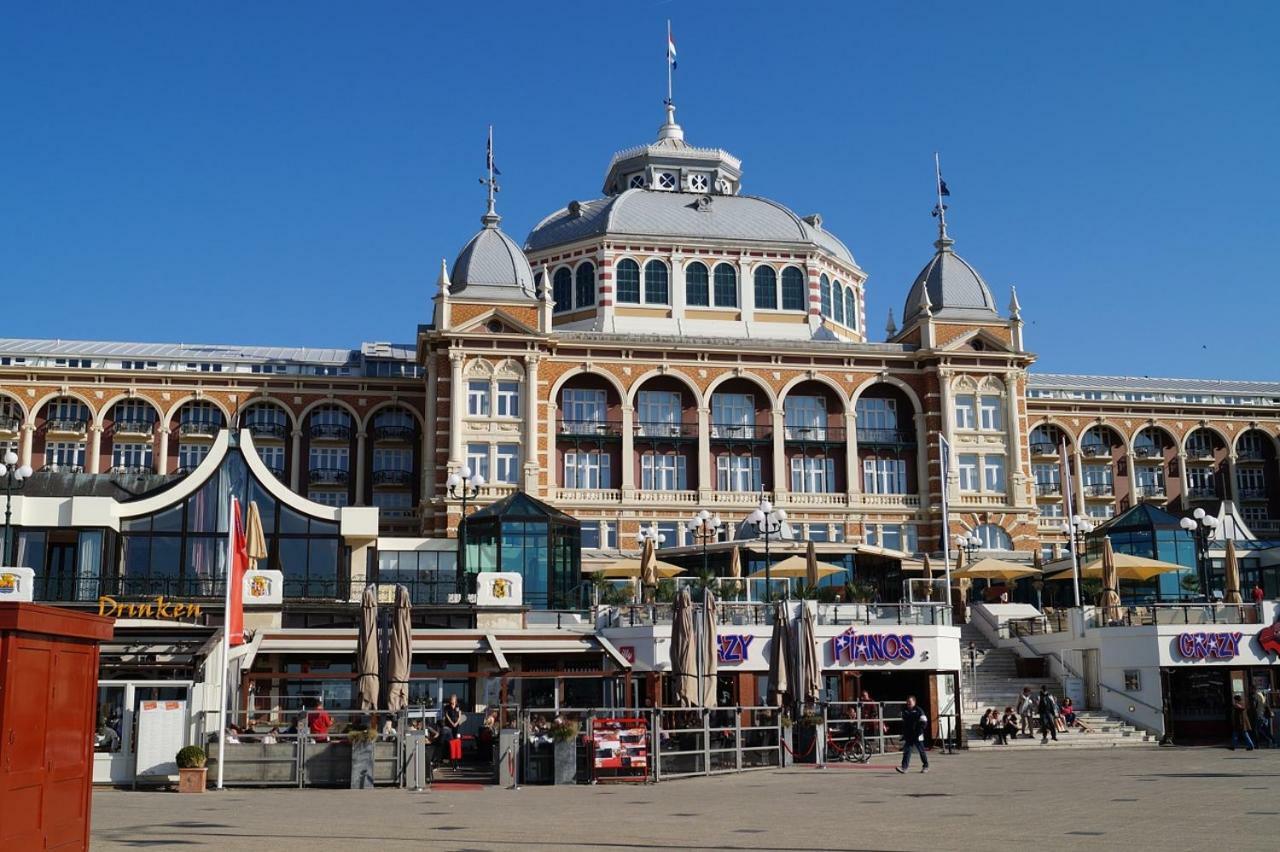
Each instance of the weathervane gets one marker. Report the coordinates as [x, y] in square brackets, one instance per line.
[491, 182]
[940, 211]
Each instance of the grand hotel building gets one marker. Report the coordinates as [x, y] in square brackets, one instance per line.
[673, 345]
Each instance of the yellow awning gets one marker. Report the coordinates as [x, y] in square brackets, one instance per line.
[795, 566]
[1128, 567]
[993, 569]
[620, 569]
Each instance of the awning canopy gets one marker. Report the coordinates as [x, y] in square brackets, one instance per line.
[993, 569]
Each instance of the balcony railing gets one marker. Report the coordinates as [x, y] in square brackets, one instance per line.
[67, 427]
[731, 432]
[185, 469]
[589, 495]
[1043, 448]
[330, 432]
[63, 467]
[797, 498]
[89, 589]
[267, 429]
[739, 498]
[328, 476]
[131, 469]
[1148, 452]
[604, 429]
[1199, 452]
[1250, 454]
[9, 424]
[393, 477]
[1099, 489]
[1150, 492]
[277, 472]
[133, 427]
[681, 497]
[423, 591]
[813, 434]
[889, 501]
[1048, 489]
[671, 431]
[198, 429]
[393, 432]
[1096, 450]
[886, 437]
[1254, 493]
[1203, 492]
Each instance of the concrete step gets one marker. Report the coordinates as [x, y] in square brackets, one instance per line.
[1066, 741]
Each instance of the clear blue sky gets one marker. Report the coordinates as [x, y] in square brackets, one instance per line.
[165, 164]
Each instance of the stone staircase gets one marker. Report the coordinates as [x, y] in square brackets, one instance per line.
[998, 685]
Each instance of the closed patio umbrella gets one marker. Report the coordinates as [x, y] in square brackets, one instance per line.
[367, 650]
[648, 569]
[683, 660]
[400, 657]
[1110, 584]
[810, 565]
[928, 577]
[807, 669]
[255, 541]
[709, 648]
[735, 570]
[1231, 579]
[779, 657]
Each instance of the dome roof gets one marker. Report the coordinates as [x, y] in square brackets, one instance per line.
[659, 213]
[955, 289]
[492, 265]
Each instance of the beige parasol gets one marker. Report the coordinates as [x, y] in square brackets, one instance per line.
[649, 570]
[810, 565]
[621, 569]
[779, 657]
[807, 665]
[928, 578]
[1231, 580]
[400, 657]
[1128, 567]
[1110, 584]
[367, 650]
[994, 569]
[683, 660]
[709, 650]
[797, 566]
[255, 541]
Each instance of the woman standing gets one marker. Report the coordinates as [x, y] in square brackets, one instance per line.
[451, 719]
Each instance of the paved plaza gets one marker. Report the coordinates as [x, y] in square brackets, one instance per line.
[1135, 799]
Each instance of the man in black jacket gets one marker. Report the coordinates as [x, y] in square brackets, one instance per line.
[915, 725]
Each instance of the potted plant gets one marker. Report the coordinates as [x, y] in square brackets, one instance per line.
[362, 735]
[564, 735]
[191, 769]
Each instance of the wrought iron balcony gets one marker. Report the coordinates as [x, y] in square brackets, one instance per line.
[598, 429]
[330, 432]
[277, 472]
[1244, 454]
[131, 469]
[728, 433]
[667, 431]
[1043, 448]
[1099, 489]
[1048, 489]
[393, 432]
[198, 429]
[886, 437]
[392, 476]
[1096, 450]
[1202, 492]
[1199, 451]
[1148, 452]
[814, 434]
[67, 426]
[62, 467]
[328, 476]
[185, 469]
[1150, 492]
[267, 429]
[133, 427]
[1254, 493]
[9, 424]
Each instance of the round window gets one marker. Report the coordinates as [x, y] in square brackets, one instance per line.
[667, 180]
[699, 183]
[636, 182]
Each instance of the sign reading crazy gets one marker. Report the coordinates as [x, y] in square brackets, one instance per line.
[734, 647]
[852, 646]
[1204, 646]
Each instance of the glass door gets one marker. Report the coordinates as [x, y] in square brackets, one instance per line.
[115, 739]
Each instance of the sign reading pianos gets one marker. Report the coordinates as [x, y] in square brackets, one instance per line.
[158, 607]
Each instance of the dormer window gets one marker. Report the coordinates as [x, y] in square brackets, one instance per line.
[666, 180]
[636, 182]
[698, 183]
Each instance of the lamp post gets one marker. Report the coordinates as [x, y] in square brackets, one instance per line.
[12, 474]
[1201, 527]
[969, 544]
[463, 485]
[705, 529]
[1077, 530]
[768, 522]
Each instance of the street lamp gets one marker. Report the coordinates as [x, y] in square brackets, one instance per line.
[705, 529]
[1077, 532]
[463, 485]
[11, 473]
[650, 534]
[768, 522]
[969, 544]
[1201, 527]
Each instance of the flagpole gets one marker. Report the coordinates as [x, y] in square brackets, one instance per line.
[944, 454]
[1075, 557]
[226, 638]
[490, 165]
[942, 211]
[669, 95]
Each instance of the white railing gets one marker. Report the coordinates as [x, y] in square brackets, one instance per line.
[667, 497]
[889, 501]
[796, 498]
[739, 498]
[589, 495]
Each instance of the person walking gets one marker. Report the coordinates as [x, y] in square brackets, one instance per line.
[1262, 715]
[1047, 706]
[915, 724]
[1240, 723]
[451, 719]
[1026, 710]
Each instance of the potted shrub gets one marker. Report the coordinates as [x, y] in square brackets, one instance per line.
[362, 737]
[191, 769]
[564, 735]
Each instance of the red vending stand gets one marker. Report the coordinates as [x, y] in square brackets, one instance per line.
[48, 695]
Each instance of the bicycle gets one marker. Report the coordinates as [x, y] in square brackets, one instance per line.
[853, 751]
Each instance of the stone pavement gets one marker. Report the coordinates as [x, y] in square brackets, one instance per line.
[1132, 799]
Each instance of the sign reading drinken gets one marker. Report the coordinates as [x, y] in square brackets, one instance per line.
[851, 646]
[1208, 646]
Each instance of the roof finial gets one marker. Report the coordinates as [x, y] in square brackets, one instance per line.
[490, 219]
[944, 242]
[891, 328]
[545, 295]
[1015, 309]
[926, 304]
[443, 281]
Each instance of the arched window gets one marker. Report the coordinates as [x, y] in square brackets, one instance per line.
[726, 286]
[562, 290]
[628, 281]
[850, 309]
[837, 302]
[824, 294]
[656, 283]
[766, 287]
[993, 537]
[696, 291]
[794, 297]
[586, 285]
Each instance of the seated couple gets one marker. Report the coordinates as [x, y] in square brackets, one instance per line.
[1000, 726]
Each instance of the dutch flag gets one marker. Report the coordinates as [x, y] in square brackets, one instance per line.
[671, 47]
